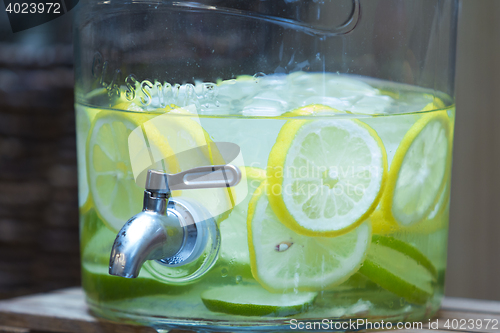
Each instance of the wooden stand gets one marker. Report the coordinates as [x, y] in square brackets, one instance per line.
[65, 311]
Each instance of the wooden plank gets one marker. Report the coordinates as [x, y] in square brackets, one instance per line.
[470, 305]
[6, 329]
[61, 311]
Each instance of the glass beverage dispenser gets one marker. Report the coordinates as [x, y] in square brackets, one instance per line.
[264, 165]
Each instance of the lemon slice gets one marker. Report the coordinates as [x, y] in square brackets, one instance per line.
[255, 175]
[437, 103]
[84, 117]
[283, 260]
[325, 177]
[178, 137]
[115, 193]
[419, 171]
[155, 141]
[234, 237]
[255, 301]
[438, 217]
[400, 268]
[311, 110]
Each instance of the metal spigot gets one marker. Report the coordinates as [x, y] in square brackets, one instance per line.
[167, 229]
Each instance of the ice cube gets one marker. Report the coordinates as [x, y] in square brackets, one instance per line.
[372, 105]
[333, 102]
[267, 103]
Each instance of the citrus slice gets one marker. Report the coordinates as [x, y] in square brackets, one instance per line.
[438, 217]
[255, 176]
[311, 109]
[99, 285]
[400, 268]
[325, 177]
[112, 186]
[97, 249]
[442, 204]
[234, 237]
[255, 301]
[283, 260]
[436, 220]
[437, 103]
[84, 117]
[419, 170]
[380, 225]
[189, 146]
[90, 224]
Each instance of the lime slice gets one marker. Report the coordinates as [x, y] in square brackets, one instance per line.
[419, 170]
[90, 224]
[400, 268]
[101, 286]
[325, 177]
[98, 249]
[283, 260]
[255, 301]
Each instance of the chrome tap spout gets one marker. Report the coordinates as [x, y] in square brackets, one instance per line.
[155, 233]
[169, 230]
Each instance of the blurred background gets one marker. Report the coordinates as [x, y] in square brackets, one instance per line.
[38, 179]
[39, 248]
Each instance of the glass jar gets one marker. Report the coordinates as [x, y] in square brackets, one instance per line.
[335, 120]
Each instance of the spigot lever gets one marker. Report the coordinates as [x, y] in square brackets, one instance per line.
[212, 176]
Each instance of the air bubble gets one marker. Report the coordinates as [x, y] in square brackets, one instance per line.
[224, 272]
[258, 76]
[238, 279]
